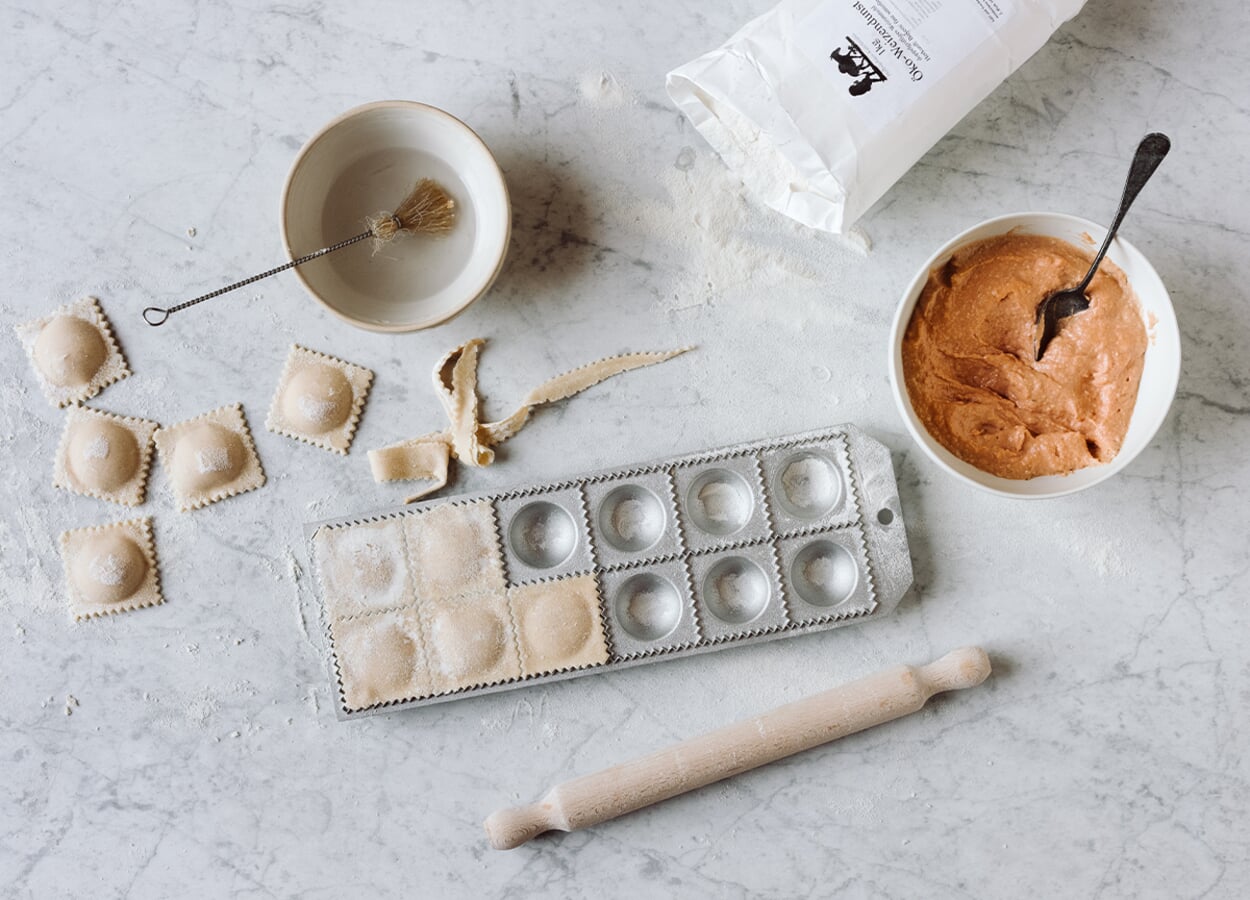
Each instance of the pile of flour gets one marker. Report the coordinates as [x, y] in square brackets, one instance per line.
[726, 241]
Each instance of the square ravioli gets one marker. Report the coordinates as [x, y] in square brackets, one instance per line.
[559, 625]
[210, 457]
[455, 551]
[319, 399]
[110, 568]
[469, 641]
[73, 352]
[363, 568]
[105, 456]
[379, 659]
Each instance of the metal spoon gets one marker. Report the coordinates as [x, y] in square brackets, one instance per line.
[1061, 304]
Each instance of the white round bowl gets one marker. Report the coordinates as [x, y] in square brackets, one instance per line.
[364, 163]
[1159, 375]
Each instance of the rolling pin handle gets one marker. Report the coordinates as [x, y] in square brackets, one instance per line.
[508, 829]
[963, 668]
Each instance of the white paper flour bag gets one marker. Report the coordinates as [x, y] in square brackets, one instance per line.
[821, 105]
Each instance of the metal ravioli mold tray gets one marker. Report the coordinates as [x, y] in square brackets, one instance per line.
[465, 595]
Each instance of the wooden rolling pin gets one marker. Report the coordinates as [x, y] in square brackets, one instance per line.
[737, 748]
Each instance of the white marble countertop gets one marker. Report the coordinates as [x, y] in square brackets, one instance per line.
[144, 147]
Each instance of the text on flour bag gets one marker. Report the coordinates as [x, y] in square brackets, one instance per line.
[821, 105]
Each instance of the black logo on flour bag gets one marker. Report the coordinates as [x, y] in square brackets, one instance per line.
[855, 63]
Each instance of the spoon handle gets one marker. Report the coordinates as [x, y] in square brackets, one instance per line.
[1150, 153]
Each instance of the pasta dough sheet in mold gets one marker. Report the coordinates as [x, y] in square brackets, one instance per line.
[380, 659]
[210, 457]
[104, 456]
[319, 399]
[470, 641]
[559, 625]
[364, 569]
[110, 568]
[455, 550]
[461, 592]
[73, 352]
[451, 595]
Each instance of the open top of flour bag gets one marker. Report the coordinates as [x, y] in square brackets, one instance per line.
[821, 105]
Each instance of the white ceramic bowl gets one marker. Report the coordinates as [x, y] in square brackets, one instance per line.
[1159, 376]
[365, 162]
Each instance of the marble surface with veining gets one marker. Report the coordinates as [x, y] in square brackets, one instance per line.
[192, 750]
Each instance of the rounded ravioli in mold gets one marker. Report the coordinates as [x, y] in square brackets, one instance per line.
[455, 551]
[469, 642]
[559, 625]
[73, 352]
[210, 457]
[104, 456]
[379, 659]
[318, 399]
[363, 568]
[110, 568]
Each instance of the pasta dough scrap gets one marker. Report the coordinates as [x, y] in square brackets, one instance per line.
[104, 456]
[73, 352]
[363, 568]
[559, 625]
[319, 399]
[210, 457]
[380, 659]
[110, 568]
[427, 458]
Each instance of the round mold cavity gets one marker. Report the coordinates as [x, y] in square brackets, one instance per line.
[824, 573]
[719, 502]
[807, 485]
[542, 535]
[736, 590]
[631, 518]
[648, 606]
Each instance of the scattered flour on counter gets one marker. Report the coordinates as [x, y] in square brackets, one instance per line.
[201, 709]
[603, 91]
[71, 702]
[1100, 554]
[40, 588]
[724, 241]
[296, 573]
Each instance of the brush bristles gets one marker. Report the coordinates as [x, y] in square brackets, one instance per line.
[428, 209]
